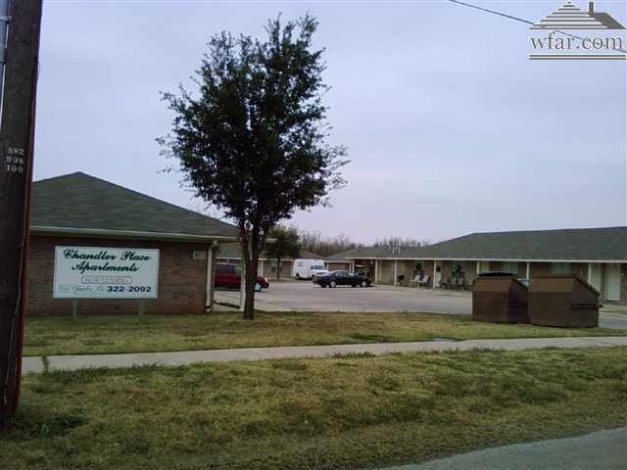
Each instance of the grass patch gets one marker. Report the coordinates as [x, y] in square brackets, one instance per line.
[118, 334]
[334, 414]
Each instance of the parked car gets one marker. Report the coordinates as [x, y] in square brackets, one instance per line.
[308, 268]
[229, 276]
[342, 278]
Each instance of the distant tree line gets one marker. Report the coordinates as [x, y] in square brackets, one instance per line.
[287, 238]
[326, 246]
[400, 242]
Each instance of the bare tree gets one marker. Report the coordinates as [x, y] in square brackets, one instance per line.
[314, 242]
[400, 242]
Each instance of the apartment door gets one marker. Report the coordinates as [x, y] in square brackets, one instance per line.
[596, 276]
[612, 282]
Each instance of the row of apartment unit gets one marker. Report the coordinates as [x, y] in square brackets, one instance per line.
[598, 255]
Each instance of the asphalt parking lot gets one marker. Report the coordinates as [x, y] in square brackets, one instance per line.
[306, 297]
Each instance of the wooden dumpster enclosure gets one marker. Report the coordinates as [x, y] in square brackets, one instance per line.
[500, 299]
[563, 300]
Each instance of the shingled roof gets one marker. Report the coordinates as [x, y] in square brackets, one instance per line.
[82, 204]
[362, 252]
[587, 244]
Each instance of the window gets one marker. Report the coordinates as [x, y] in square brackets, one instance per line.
[484, 267]
[560, 268]
[510, 268]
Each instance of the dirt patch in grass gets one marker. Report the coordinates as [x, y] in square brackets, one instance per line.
[336, 413]
[118, 334]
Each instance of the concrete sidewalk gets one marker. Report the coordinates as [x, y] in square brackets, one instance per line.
[35, 364]
[602, 450]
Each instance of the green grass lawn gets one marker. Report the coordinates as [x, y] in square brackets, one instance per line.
[336, 413]
[117, 334]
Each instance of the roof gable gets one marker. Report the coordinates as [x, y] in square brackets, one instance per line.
[364, 252]
[83, 202]
[303, 254]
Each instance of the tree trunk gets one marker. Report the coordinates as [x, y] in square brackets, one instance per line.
[249, 302]
[278, 268]
[251, 252]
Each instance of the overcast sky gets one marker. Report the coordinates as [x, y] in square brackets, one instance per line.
[449, 126]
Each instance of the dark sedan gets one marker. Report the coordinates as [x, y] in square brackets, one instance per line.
[342, 278]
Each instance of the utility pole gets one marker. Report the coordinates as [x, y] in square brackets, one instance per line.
[4, 24]
[17, 128]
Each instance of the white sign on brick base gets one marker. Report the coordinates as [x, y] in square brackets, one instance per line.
[105, 273]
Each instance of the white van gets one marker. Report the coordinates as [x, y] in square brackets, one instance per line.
[308, 268]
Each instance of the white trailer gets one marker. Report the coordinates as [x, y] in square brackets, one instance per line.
[308, 268]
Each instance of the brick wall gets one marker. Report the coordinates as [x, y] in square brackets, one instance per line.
[407, 268]
[470, 271]
[386, 276]
[182, 279]
[270, 269]
[385, 270]
[338, 266]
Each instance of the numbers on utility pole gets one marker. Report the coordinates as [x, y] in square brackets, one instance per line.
[15, 160]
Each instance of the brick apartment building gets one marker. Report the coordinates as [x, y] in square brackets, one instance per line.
[78, 210]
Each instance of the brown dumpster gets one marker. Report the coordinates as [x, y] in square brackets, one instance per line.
[500, 299]
[563, 300]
